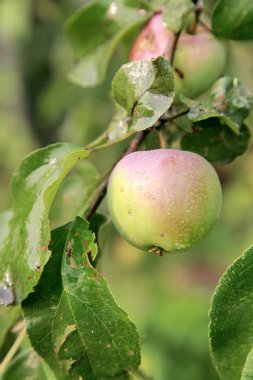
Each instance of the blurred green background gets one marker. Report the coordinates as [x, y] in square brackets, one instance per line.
[168, 298]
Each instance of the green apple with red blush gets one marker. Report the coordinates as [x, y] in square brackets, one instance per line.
[199, 58]
[164, 200]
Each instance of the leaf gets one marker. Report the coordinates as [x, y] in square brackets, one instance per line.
[91, 70]
[24, 247]
[174, 13]
[231, 319]
[28, 366]
[216, 141]
[233, 19]
[144, 91]
[229, 100]
[247, 373]
[90, 26]
[94, 31]
[72, 319]
[147, 90]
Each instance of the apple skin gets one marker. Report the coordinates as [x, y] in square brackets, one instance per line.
[164, 199]
[199, 58]
[153, 41]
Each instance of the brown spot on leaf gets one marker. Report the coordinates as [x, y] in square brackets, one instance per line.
[96, 277]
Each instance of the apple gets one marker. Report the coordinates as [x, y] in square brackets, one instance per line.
[164, 200]
[199, 59]
[153, 41]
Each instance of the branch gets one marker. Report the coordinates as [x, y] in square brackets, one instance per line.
[101, 192]
[134, 145]
[162, 139]
[174, 46]
[198, 10]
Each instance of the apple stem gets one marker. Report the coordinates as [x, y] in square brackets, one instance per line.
[197, 11]
[162, 140]
[174, 46]
[157, 251]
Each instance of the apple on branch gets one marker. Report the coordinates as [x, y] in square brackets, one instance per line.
[164, 199]
[199, 58]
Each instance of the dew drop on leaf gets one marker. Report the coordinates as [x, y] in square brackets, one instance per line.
[6, 295]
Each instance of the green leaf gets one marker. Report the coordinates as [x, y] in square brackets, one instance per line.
[144, 91]
[24, 247]
[90, 26]
[94, 31]
[247, 373]
[231, 320]
[174, 13]
[229, 100]
[233, 19]
[91, 70]
[215, 141]
[72, 319]
[28, 366]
